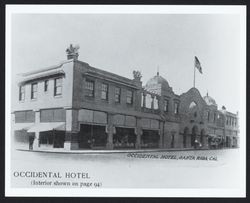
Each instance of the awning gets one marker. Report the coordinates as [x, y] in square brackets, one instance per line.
[22, 126]
[41, 127]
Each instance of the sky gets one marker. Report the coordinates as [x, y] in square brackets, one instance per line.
[121, 43]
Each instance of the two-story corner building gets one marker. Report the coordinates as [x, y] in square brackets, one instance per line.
[75, 106]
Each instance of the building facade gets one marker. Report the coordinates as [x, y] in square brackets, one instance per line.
[75, 106]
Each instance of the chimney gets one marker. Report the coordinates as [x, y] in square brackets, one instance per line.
[72, 52]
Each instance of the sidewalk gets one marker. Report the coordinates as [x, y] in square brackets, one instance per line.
[106, 151]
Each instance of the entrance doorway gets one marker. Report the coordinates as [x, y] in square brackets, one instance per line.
[202, 140]
[194, 136]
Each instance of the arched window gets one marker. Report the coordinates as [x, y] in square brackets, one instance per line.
[192, 105]
[176, 107]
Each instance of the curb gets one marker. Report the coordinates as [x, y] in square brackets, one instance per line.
[115, 151]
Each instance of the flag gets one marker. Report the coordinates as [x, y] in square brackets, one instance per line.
[197, 64]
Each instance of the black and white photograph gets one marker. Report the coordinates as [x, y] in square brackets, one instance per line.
[125, 101]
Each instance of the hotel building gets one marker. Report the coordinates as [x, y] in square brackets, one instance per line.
[75, 106]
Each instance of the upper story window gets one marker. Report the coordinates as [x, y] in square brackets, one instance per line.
[89, 88]
[21, 93]
[176, 108]
[156, 103]
[117, 95]
[214, 117]
[34, 90]
[166, 104]
[129, 97]
[46, 85]
[148, 101]
[104, 94]
[208, 115]
[58, 87]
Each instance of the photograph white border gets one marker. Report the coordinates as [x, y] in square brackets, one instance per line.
[115, 9]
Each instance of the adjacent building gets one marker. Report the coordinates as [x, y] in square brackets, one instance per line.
[73, 106]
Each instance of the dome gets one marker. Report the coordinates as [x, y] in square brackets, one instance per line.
[209, 100]
[156, 81]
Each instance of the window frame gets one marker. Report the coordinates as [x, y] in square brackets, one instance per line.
[104, 91]
[57, 86]
[46, 85]
[128, 96]
[119, 95]
[176, 110]
[33, 94]
[166, 105]
[215, 115]
[22, 93]
[92, 91]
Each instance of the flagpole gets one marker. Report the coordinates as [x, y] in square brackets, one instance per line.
[194, 73]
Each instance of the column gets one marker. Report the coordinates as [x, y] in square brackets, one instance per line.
[161, 133]
[144, 99]
[138, 133]
[71, 133]
[110, 132]
[165, 136]
[37, 122]
[167, 139]
[152, 103]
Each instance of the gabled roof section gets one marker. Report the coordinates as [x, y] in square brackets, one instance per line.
[46, 69]
[40, 74]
